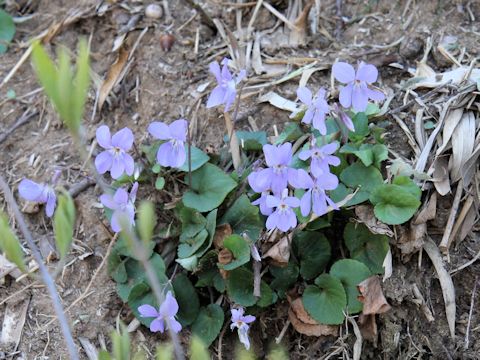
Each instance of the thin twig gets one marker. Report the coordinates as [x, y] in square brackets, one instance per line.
[47, 279]
[25, 118]
[470, 313]
[447, 239]
[207, 19]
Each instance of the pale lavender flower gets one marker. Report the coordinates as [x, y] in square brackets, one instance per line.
[115, 157]
[241, 322]
[123, 205]
[317, 108]
[343, 117]
[172, 152]
[164, 317]
[40, 193]
[261, 184]
[225, 91]
[283, 218]
[321, 158]
[316, 197]
[357, 90]
[278, 174]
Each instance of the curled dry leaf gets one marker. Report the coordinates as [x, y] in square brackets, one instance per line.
[298, 36]
[371, 295]
[441, 178]
[114, 76]
[451, 121]
[221, 232]
[368, 327]
[366, 216]
[446, 283]
[13, 322]
[428, 211]
[430, 79]
[304, 324]
[412, 240]
[280, 251]
[463, 142]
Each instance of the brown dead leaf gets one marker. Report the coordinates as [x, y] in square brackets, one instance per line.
[304, 324]
[441, 178]
[280, 251]
[468, 222]
[428, 211]
[13, 322]
[412, 240]
[463, 142]
[221, 232]
[298, 36]
[371, 295]
[366, 216]
[368, 327]
[113, 76]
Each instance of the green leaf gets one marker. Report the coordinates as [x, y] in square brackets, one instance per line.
[359, 175]
[394, 204]
[164, 352]
[160, 183]
[240, 289]
[351, 273]
[189, 263]
[10, 244]
[104, 355]
[81, 85]
[187, 299]
[146, 221]
[63, 223]
[364, 152]
[188, 247]
[406, 183]
[284, 277]
[210, 186]
[192, 222]
[380, 153]
[366, 247]
[372, 109]
[46, 72]
[240, 250]
[208, 324]
[198, 158]
[360, 122]
[252, 140]
[312, 249]
[7, 30]
[291, 132]
[326, 301]
[210, 226]
[244, 217]
[121, 344]
[198, 349]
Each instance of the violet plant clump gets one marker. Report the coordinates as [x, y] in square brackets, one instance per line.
[115, 157]
[172, 151]
[42, 193]
[226, 90]
[123, 205]
[241, 322]
[164, 317]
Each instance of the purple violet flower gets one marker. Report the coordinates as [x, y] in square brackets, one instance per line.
[40, 193]
[241, 322]
[123, 205]
[316, 198]
[357, 90]
[164, 317]
[317, 108]
[225, 91]
[172, 152]
[277, 176]
[115, 158]
[283, 217]
[321, 158]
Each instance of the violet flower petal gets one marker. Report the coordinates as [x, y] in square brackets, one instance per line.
[147, 311]
[157, 325]
[104, 137]
[367, 73]
[345, 96]
[343, 72]
[103, 162]
[30, 190]
[169, 307]
[159, 130]
[123, 139]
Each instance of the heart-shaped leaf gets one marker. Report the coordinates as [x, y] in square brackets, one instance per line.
[366, 247]
[351, 273]
[188, 247]
[208, 324]
[198, 159]
[240, 250]
[326, 300]
[187, 299]
[7, 30]
[240, 289]
[210, 186]
[364, 152]
[244, 217]
[192, 222]
[366, 178]
[312, 249]
[252, 140]
[284, 277]
[396, 204]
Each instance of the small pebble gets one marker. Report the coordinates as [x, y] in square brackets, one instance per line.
[154, 11]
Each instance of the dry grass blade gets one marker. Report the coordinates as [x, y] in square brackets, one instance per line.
[279, 101]
[463, 140]
[451, 121]
[447, 239]
[113, 76]
[233, 140]
[357, 346]
[441, 175]
[446, 283]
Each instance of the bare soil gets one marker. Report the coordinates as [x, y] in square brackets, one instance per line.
[160, 85]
